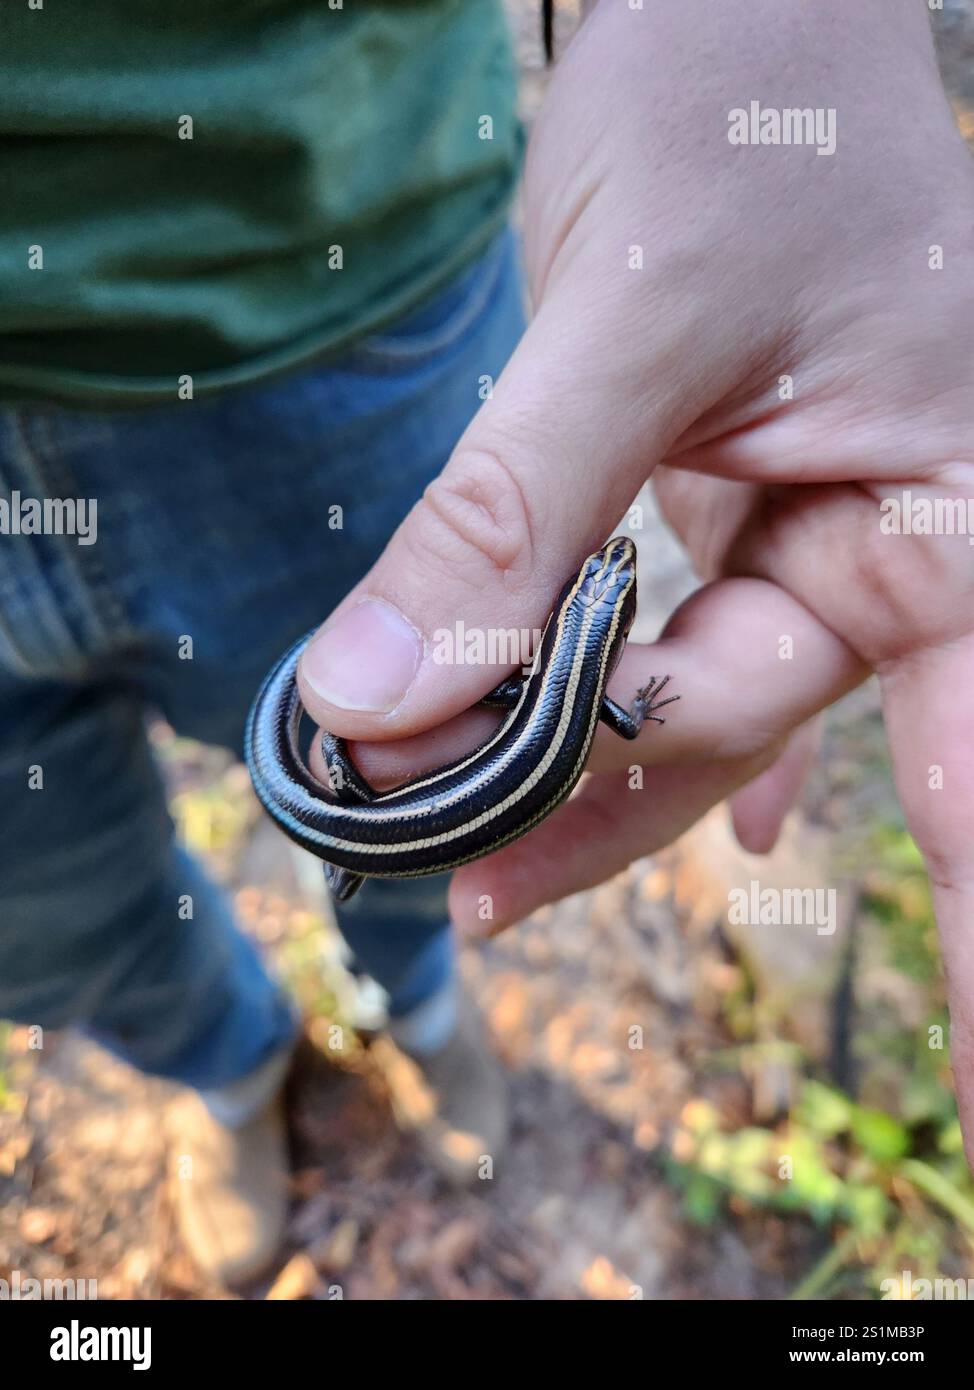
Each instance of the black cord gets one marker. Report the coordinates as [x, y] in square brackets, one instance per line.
[548, 29]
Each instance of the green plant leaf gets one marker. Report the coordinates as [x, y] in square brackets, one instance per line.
[824, 1110]
[882, 1137]
[701, 1199]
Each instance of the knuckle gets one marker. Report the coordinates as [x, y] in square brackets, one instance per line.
[477, 519]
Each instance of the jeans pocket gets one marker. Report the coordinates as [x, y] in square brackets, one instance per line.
[441, 321]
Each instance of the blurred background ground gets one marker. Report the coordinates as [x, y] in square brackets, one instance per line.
[699, 1110]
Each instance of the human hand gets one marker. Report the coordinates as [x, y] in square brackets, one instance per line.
[757, 263]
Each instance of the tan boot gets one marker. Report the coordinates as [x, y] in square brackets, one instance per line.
[454, 1101]
[230, 1188]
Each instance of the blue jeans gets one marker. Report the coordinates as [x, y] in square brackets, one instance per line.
[212, 524]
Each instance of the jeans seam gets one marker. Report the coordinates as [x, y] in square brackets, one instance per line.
[82, 564]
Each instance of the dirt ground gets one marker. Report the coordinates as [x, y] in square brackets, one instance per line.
[582, 1206]
[578, 1208]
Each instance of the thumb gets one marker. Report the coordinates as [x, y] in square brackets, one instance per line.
[538, 480]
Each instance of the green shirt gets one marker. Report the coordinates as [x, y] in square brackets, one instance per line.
[342, 163]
